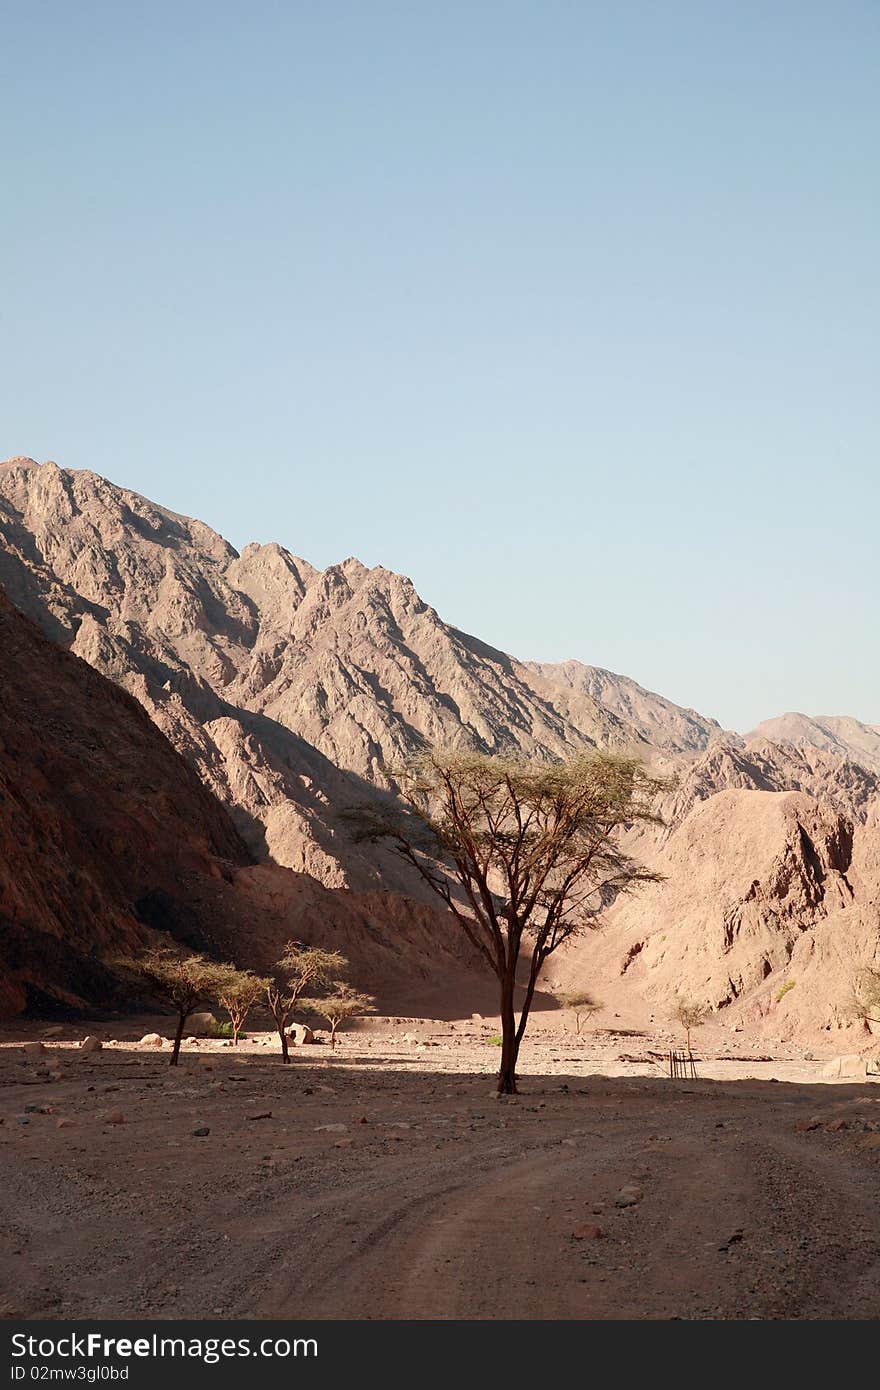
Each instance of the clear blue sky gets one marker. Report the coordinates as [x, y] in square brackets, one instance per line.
[567, 310]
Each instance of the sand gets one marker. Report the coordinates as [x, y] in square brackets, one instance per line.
[385, 1181]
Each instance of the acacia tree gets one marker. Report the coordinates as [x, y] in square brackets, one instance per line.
[689, 1015]
[185, 981]
[534, 849]
[581, 1003]
[339, 1004]
[299, 968]
[237, 991]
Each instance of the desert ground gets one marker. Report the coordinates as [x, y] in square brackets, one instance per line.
[384, 1180]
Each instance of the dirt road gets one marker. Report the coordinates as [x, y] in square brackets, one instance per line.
[426, 1197]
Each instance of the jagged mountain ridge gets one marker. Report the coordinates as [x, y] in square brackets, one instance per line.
[835, 734]
[664, 725]
[288, 688]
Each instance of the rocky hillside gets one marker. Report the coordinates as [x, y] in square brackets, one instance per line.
[770, 900]
[109, 840]
[835, 734]
[103, 827]
[658, 722]
[290, 690]
[847, 787]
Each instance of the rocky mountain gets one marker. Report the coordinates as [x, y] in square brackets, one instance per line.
[835, 734]
[658, 722]
[847, 787]
[289, 689]
[110, 841]
[292, 691]
[769, 905]
[103, 826]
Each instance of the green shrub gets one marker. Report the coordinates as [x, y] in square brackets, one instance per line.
[781, 993]
[221, 1030]
[495, 1041]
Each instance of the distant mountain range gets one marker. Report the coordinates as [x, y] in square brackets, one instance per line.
[291, 691]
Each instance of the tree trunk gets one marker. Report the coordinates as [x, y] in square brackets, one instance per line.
[509, 1044]
[175, 1051]
[534, 972]
[333, 1035]
[235, 1034]
[285, 1053]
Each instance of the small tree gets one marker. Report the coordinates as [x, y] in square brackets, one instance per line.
[581, 1003]
[689, 1015]
[866, 995]
[237, 992]
[299, 968]
[532, 846]
[185, 981]
[339, 1004]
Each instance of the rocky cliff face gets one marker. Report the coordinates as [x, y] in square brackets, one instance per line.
[290, 691]
[103, 828]
[109, 840]
[723, 923]
[769, 904]
[847, 787]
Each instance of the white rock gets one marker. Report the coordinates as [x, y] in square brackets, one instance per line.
[629, 1196]
[851, 1065]
[299, 1034]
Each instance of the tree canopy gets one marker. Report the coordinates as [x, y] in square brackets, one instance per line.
[184, 980]
[299, 967]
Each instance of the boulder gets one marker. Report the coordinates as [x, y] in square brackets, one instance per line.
[33, 1049]
[90, 1044]
[152, 1040]
[629, 1196]
[851, 1066]
[201, 1025]
[587, 1232]
[299, 1034]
